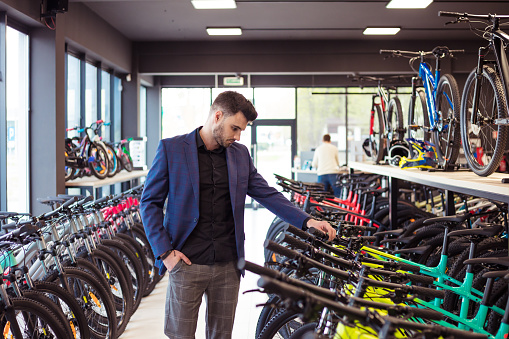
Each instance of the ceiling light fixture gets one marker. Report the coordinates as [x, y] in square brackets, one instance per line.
[224, 31]
[214, 4]
[381, 30]
[409, 3]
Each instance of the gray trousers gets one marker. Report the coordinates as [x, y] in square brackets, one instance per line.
[186, 286]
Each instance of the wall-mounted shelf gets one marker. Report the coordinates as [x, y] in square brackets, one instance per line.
[461, 181]
[91, 183]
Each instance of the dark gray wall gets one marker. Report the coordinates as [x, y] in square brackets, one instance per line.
[276, 57]
[47, 115]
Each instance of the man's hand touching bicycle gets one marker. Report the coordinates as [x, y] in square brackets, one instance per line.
[323, 226]
[173, 258]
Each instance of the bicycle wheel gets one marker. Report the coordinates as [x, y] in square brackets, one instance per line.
[282, 325]
[153, 271]
[447, 136]
[114, 164]
[69, 306]
[483, 141]
[395, 128]
[418, 122]
[100, 163]
[377, 142]
[127, 162]
[94, 299]
[32, 318]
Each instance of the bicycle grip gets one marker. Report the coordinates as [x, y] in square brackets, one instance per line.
[408, 267]
[101, 200]
[69, 202]
[275, 247]
[428, 292]
[242, 264]
[420, 279]
[382, 51]
[450, 14]
[297, 231]
[367, 238]
[318, 234]
[293, 242]
[425, 313]
[85, 200]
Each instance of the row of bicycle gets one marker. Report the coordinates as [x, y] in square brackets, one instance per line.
[440, 119]
[90, 155]
[78, 271]
[431, 277]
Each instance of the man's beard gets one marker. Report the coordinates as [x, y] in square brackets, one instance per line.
[218, 134]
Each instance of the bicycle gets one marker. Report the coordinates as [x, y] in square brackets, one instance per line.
[386, 121]
[438, 106]
[484, 102]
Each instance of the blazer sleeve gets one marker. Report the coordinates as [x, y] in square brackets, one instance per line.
[152, 201]
[272, 199]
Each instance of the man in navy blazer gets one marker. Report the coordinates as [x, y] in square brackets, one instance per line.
[204, 177]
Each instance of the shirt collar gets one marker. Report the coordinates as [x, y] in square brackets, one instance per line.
[201, 144]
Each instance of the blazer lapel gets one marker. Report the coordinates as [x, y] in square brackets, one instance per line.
[191, 154]
[231, 161]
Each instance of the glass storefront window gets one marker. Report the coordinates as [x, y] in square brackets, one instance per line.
[73, 94]
[105, 104]
[17, 121]
[90, 94]
[184, 109]
[275, 103]
[143, 111]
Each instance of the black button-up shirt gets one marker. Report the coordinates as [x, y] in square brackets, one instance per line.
[213, 239]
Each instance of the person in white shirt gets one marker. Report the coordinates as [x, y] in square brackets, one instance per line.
[326, 162]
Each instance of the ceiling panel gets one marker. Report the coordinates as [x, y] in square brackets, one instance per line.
[148, 20]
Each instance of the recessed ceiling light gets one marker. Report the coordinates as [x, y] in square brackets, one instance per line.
[214, 4]
[381, 30]
[408, 3]
[224, 30]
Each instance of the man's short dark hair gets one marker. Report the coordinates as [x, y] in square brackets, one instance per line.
[230, 103]
[326, 138]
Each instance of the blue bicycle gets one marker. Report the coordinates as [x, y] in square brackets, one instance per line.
[434, 112]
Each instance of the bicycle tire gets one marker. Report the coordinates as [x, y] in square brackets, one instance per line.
[114, 164]
[121, 291]
[72, 308]
[418, 116]
[127, 162]
[128, 258]
[35, 311]
[489, 138]
[377, 141]
[447, 137]
[282, 325]
[98, 306]
[100, 165]
[304, 331]
[395, 128]
[267, 313]
[52, 306]
[495, 319]
[153, 271]
[133, 245]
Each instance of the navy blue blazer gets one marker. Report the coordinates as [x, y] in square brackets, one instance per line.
[174, 175]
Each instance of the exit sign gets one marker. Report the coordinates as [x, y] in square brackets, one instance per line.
[233, 81]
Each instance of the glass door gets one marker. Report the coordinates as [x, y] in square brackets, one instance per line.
[273, 148]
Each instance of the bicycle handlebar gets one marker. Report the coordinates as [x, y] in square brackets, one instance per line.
[487, 17]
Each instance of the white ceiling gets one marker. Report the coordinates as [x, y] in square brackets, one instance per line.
[167, 20]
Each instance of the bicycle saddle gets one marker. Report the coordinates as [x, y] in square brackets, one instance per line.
[504, 261]
[458, 218]
[7, 215]
[488, 231]
[393, 232]
[495, 274]
[67, 196]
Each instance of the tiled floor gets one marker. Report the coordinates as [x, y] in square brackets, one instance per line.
[147, 322]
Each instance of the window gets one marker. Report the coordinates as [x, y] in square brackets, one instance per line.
[90, 94]
[105, 104]
[275, 103]
[143, 112]
[184, 109]
[73, 94]
[320, 111]
[17, 120]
